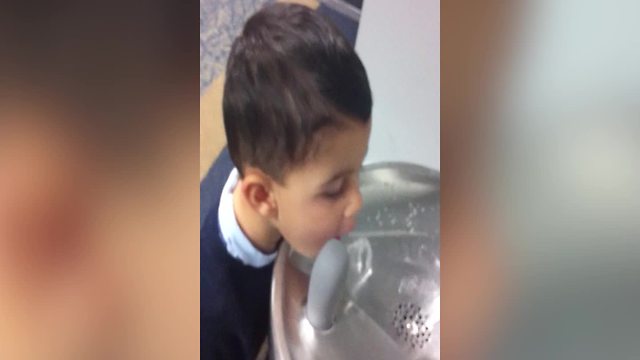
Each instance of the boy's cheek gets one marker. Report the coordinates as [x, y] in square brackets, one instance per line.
[308, 228]
[309, 242]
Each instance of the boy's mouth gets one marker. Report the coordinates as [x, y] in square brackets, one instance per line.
[345, 230]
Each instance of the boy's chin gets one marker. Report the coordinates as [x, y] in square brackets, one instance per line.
[309, 251]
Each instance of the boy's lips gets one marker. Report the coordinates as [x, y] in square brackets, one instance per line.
[346, 229]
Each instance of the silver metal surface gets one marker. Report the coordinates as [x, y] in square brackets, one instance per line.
[391, 309]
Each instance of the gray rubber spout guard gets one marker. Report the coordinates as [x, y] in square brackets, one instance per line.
[326, 285]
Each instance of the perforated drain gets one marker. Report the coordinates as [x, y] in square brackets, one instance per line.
[410, 324]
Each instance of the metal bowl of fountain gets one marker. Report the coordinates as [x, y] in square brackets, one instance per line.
[386, 302]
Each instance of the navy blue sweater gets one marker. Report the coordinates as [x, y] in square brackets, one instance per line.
[234, 298]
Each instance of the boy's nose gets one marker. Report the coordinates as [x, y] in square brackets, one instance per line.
[355, 204]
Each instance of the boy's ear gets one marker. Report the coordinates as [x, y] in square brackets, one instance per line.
[257, 188]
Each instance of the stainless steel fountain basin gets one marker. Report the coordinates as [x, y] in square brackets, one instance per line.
[391, 304]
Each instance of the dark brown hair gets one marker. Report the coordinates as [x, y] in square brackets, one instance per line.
[289, 74]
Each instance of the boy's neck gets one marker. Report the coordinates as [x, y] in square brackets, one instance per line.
[257, 229]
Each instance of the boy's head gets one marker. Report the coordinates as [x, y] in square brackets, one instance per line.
[297, 107]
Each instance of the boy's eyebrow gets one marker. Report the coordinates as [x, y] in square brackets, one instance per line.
[343, 172]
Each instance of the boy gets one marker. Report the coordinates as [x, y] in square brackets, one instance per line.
[296, 108]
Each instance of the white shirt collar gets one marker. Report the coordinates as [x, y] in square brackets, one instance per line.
[238, 245]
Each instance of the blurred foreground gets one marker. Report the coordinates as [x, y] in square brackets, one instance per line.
[540, 180]
[99, 180]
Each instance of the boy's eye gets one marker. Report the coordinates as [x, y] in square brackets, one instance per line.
[335, 191]
[333, 195]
